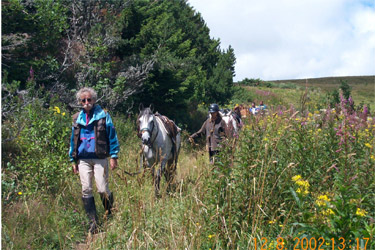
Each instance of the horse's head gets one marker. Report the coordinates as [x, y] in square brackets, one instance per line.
[146, 121]
[225, 112]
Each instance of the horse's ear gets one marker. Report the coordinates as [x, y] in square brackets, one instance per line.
[140, 107]
[151, 107]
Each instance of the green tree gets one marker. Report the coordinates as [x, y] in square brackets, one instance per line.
[31, 37]
[135, 51]
[346, 89]
[189, 66]
[221, 82]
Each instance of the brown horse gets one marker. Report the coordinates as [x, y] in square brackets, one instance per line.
[244, 110]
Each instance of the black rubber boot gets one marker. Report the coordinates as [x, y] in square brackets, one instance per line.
[89, 205]
[107, 203]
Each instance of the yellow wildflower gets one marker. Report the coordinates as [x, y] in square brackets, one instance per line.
[211, 236]
[296, 178]
[19, 193]
[361, 212]
[328, 212]
[303, 191]
[324, 197]
[272, 222]
[300, 182]
[63, 114]
[368, 145]
[303, 183]
[321, 201]
[56, 109]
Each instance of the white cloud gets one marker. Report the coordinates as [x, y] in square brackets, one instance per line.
[289, 39]
[359, 58]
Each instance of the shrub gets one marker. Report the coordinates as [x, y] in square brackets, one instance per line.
[346, 89]
[38, 153]
[250, 82]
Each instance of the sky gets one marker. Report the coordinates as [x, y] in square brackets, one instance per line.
[294, 39]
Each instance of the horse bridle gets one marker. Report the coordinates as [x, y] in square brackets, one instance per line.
[150, 131]
[147, 129]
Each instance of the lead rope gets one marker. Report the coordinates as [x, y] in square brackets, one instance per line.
[140, 165]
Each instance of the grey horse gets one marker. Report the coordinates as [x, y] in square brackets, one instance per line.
[160, 149]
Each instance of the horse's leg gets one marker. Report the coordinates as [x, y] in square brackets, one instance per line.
[162, 171]
[152, 162]
[169, 174]
[157, 182]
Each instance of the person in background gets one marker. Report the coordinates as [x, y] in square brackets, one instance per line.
[262, 106]
[253, 109]
[237, 114]
[93, 139]
[215, 130]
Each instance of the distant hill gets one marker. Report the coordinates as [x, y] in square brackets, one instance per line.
[330, 80]
[288, 91]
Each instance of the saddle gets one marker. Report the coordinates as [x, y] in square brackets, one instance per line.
[170, 126]
[172, 131]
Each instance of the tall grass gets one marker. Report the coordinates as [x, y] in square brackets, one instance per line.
[294, 176]
[290, 174]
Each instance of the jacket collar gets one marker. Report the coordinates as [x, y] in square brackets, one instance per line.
[97, 114]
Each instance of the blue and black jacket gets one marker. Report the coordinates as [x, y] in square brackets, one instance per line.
[93, 136]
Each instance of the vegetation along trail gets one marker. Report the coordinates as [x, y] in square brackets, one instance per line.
[289, 175]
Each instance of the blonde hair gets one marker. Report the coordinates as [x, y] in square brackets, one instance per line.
[93, 93]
